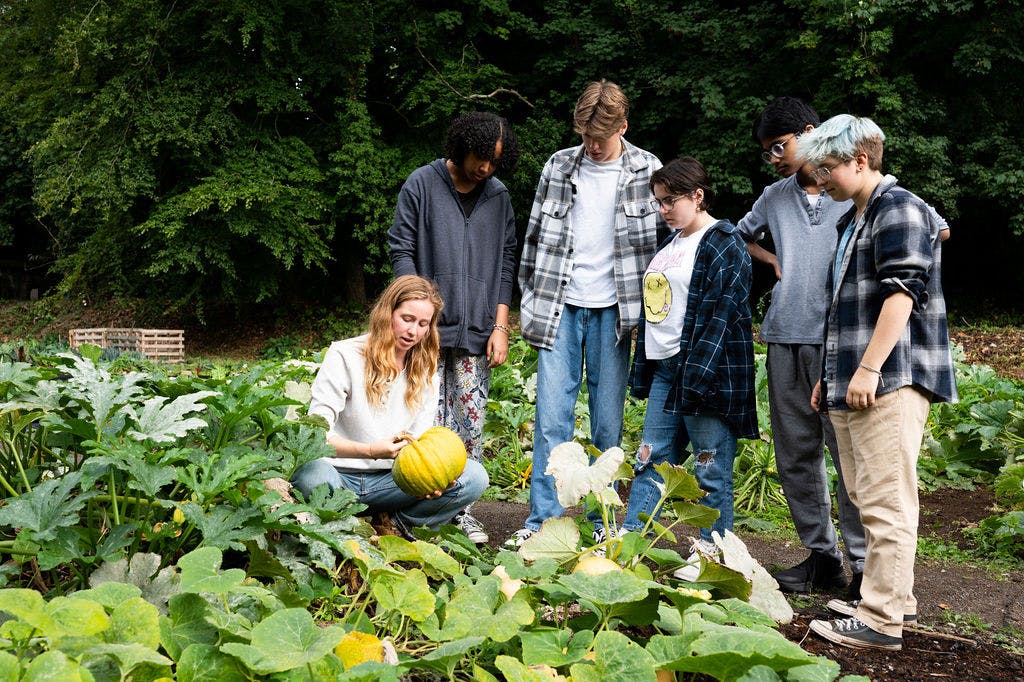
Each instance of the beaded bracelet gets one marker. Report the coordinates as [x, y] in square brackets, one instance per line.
[507, 330]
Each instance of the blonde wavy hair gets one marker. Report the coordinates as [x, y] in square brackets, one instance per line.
[421, 362]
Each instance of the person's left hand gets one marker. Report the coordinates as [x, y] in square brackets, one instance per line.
[497, 348]
[861, 393]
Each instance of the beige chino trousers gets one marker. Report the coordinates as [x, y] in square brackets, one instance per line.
[878, 449]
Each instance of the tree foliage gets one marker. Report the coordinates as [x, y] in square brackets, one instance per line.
[234, 150]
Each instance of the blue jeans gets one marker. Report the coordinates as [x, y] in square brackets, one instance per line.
[586, 336]
[378, 491]
[665, 438]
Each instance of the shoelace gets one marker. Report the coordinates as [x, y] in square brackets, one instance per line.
[468, 522]
[845, 625]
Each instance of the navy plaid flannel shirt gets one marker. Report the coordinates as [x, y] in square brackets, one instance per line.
[895, 248]
[716, 375]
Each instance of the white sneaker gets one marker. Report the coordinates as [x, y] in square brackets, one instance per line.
[691, 569]
[472, 527]
[516, 540]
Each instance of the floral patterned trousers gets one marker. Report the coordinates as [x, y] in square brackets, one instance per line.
[465, 380]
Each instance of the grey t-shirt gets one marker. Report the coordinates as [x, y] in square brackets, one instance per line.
[804, 231]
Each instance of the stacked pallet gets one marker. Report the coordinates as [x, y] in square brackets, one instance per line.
[156, 344]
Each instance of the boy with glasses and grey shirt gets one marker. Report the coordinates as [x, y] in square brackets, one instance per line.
[801, 220]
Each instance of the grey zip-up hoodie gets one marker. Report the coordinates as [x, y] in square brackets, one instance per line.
[472, 259]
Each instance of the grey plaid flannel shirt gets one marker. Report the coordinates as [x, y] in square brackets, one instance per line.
[546, 265]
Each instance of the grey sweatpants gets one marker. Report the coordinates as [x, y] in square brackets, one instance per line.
[799, 436]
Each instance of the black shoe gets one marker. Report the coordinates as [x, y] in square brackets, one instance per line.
[816, 571]
[853, 592]
[853, 633]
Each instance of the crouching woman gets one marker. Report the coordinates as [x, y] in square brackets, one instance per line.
[378, 392]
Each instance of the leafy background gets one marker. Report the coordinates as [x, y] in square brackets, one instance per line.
[240, 151]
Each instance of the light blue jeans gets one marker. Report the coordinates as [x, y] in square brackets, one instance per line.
[665, 438]
[586, 336]
[378, 491]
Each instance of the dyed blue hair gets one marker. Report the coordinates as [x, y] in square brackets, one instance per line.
[843, 137]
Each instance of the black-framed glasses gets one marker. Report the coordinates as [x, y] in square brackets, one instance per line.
[667, 203]
[777, 150]
[823, 173]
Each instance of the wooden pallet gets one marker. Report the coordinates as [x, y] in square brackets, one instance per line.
[157, 344]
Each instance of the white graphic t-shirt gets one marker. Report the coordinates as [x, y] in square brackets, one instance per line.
[666, 288]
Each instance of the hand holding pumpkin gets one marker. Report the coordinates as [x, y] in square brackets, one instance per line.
[429, 465]
[388, 448]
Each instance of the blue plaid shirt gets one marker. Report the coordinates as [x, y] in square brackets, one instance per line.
[894, 248]
[716, 375]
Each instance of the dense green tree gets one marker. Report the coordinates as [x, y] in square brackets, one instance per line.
[250, 151]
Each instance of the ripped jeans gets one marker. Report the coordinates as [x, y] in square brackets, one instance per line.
[665, 438]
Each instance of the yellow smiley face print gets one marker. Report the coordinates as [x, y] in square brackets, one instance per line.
[657, 297]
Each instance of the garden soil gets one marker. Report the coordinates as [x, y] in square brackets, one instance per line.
[961, 609]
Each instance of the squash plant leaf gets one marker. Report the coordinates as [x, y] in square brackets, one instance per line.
[436, 558]
[555, 648]
[446, 657]
[407, 593]
[513, 670]
[727, 651]
[224, 526]
[693, 514]
[55, 665]
[471, 610]
[557, 539]
[186, 624]
[614, 587]
[80, 616]
[135, 621]
[200, 572]
[206, 663]
[47, 507]
[285, 640]
[164, 421]
[10, 667]
[28, 607]
[616, 658]
[680, 484]
[128, 657]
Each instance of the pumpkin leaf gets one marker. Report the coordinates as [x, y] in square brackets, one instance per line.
[555, 648]
[616, 658]
[200, 572]
[558, 539]
[407, 593]
[285, 640]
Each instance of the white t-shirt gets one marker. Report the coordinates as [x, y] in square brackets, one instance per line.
[339, 396]
[592, 218]
[666, 288]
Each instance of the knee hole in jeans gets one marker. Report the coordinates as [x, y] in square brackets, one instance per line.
[706, 458]
[644, 453]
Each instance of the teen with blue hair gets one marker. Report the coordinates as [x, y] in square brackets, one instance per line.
[886, 357]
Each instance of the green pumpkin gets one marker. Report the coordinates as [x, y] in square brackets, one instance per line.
[432, 462]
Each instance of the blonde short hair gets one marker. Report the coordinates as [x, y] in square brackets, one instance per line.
[601, 110]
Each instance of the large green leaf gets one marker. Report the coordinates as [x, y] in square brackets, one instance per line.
[164, 421]
[128, 656]
[614, 587]
[79, 615]
[224, 526]
[186, 624]
[555, 648]
[51, 505]
[200, 572]
[557, 539]
[680, 484]
[616, 658]
[135, 621]
[29, 607]
[471, 611]
[285, 640]
[54, 666]
[437, 558]
[406, 593]
[446, 657]
[514, 670]
[206, 663]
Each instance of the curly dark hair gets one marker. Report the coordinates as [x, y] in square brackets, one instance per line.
[784, 116]
[683, 177]
[479, 132]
